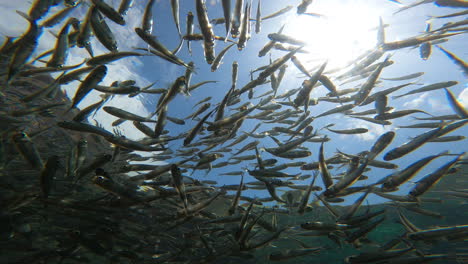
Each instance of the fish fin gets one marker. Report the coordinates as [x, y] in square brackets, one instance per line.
[25, 16]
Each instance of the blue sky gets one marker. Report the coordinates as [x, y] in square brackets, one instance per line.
[343, 35]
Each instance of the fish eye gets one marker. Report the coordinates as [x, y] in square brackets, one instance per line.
[100, 179]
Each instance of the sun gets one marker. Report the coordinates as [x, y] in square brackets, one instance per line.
[340, 31]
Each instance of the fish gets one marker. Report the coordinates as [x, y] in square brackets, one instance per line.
[432, 178]
[307, 86]
[91, 80]
[294, 154]
[455, 104]
[217, 60]
[81, 154]
[380, 144]
[289, 145]
[363, 93]
[121, 141]
[189, 29]
[235, 201]
[429, 87]
[176, 120]
[301, 67]
[411, 145]
[448, 139]
[227, 15]
[110, 57]
[397, 114]
[364, 230]
[459, 62]
[192, 133]
[45, 70]
[202, 109]
[154, 43]
[425, 49]
[188, 77]
[207, 31]
[144, 129]
[379, 255]
[350, 178]
[195, 86]
[269, 45]
[102, 31]
[83, 127]
[117, 90]
[371, 98]
[461, 13]
[39, 8]
[175, 14]
[337, 109]
[48, 174]
[147, 19]
[424, 125]
[249, 146]
[381, 32]
[59, 16]
[348, 215]
[302, 7]
[171, 93]
[244, 35]
[451, 3]
[392, 181]
[348, 131]
[405, 77]
[258, 17]
[179, 184]
[125, 115]
[109, 12]
[236, 18]
[230, 119]
[24, 47]
[381, 105]
[162, 114]
[279, 12]
[413, 41]
[124, 6]
[276, 37]
[84, 35]
[28, 150]
[74, 75]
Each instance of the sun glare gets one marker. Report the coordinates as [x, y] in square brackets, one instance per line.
[341, 33]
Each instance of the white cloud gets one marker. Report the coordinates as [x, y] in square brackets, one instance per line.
[428, 101]
[375, 130]
[417, 101]
[438, 106]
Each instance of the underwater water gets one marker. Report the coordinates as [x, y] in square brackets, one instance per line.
[303, 132]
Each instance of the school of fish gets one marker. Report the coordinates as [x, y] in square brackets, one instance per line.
[87, 200]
